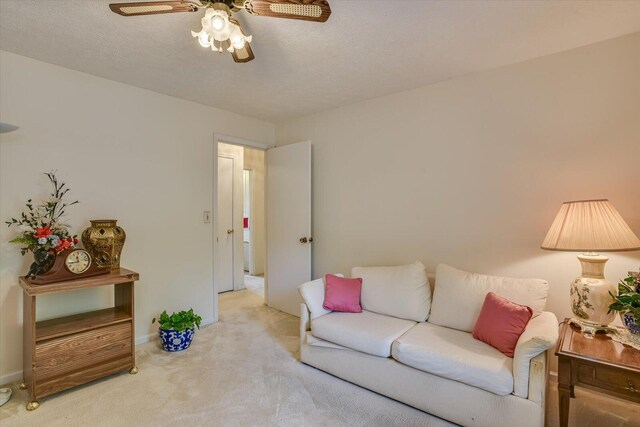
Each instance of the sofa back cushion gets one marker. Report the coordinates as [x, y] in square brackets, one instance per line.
[458, 296]
[401, 291]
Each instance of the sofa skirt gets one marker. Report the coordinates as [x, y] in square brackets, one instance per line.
[447, 399]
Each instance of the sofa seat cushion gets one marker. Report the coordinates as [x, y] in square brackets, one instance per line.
[455, 355]
[367, 332]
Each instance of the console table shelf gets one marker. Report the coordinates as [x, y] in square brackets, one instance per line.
[55, 328]
[68, 351]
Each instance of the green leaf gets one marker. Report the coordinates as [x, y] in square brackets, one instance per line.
[180, 321]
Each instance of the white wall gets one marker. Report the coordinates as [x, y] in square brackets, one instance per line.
[472, 171]
[143, 158]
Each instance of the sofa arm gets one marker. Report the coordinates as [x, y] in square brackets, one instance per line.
[538, 374]
[540, 335]
[305, 324]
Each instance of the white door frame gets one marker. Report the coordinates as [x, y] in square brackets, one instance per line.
[219, 137]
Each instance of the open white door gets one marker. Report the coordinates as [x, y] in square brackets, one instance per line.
[225, 224]
[288, 225]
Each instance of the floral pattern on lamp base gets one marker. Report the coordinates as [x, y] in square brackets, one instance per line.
[176, 340]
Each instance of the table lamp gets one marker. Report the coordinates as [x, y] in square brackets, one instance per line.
[591, 226]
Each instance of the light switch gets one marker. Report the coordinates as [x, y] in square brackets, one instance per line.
[207, 217]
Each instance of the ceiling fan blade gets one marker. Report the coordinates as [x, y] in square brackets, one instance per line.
[243, 55]
[153, 7]
[307, 10]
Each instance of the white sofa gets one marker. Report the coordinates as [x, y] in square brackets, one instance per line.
[421, 352]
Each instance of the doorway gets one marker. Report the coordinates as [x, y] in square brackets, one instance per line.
[279, 240]
[255, 173]
[241, 232]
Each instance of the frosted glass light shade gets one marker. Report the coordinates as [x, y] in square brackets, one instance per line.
[590, 226]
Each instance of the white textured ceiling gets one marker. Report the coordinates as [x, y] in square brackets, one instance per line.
[366, 49]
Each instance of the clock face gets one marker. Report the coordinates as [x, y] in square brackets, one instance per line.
[78, 261]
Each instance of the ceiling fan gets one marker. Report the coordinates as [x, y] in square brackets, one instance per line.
[219, 30]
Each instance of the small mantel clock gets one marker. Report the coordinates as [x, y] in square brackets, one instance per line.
[70, 264]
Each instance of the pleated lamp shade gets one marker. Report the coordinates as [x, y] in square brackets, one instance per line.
[590, 226]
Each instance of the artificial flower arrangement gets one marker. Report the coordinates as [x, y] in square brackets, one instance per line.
[42, 228]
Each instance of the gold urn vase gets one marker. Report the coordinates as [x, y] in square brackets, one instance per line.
[104, 241]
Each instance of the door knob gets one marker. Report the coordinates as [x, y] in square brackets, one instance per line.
[310, 239]
[303, 240]
[230, 231]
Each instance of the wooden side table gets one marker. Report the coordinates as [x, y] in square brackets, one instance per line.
[68, 351]
[595, 362]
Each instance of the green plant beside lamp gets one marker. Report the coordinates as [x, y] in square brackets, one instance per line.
[627, 302]
[176, 330]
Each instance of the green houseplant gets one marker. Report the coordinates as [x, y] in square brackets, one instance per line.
[176, 330]
[627, 302]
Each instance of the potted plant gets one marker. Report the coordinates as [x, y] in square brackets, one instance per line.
[627, 302]
[176, 330]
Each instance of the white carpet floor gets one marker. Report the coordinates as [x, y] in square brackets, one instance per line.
[254, 284]
[243, 371]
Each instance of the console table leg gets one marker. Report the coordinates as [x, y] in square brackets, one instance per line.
[23, 386]
[32, 406]
[133, 370]
[564, 399]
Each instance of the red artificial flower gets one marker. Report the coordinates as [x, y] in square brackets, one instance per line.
[75, 241]
[43, 232]
[64, 244]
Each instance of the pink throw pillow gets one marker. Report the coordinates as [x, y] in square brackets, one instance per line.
[342, 294]
[501, 322]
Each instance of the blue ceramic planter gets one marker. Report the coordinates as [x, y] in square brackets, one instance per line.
[631, 323]
[176, 341]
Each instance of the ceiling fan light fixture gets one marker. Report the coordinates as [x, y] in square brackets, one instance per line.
[218, 23]
[203, 38]
[238, 39]
[217, 26]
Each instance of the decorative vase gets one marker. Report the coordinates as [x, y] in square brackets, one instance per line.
[176, 340]
[631, 323]
[43, 260]
[104, 241]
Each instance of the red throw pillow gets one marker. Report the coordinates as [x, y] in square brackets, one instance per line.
[501, 322]
[342, 294]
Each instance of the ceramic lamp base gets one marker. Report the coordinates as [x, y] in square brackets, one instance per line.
[591, 295]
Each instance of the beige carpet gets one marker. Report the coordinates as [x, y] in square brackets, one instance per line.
[254, 284]
[243, 371]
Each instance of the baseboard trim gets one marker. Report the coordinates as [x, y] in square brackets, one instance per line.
[17, 376]
[11, 378]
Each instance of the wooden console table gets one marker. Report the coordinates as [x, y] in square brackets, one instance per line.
[595, 362]
[68, 351]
